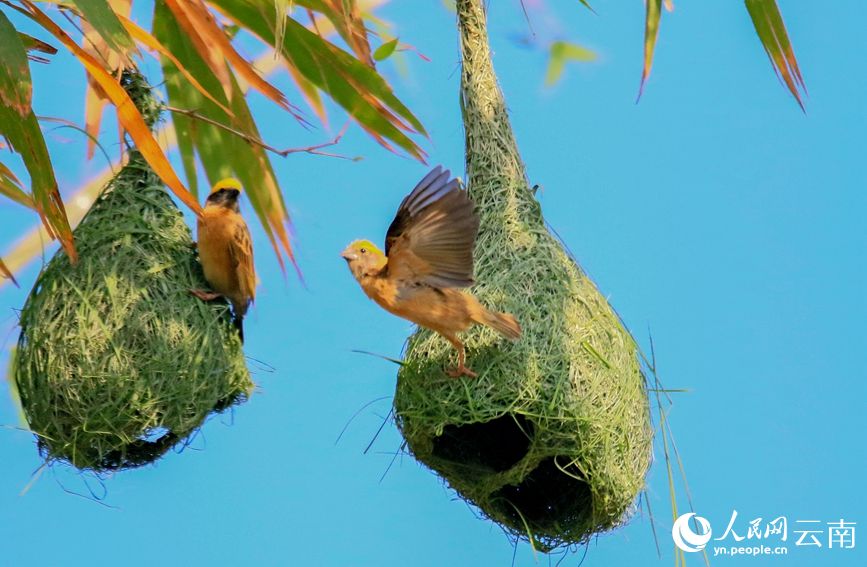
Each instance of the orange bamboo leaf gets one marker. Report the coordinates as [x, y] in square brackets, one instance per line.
[113, 57]
[213, 57]
[213, 35]
[127, 113]
[4, 271]
[355, 86]
[152, 43]
[309, 92]
[94, 105]
[355, 28]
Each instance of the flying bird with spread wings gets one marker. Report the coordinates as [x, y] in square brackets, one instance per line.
[428, 259]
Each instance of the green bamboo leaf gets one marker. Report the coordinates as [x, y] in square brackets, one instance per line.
[385, 50]
[651, 31]
[11, 187]
[30, 43]
[191, 135]
[221, 153]
[16, 90]
[346, 19]
[355, 86]
[281, 10]
[561, 53]
[769, 25]
[102, 18]
[253, 168]
[25, 138]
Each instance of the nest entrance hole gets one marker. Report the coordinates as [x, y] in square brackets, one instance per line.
[498, 444]
[552, 494]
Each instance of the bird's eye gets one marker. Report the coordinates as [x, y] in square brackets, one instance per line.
[364, 250]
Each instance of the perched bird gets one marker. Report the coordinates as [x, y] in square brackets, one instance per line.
[428, 258]
[226, 251]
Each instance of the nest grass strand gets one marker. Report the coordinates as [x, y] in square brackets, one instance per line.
[553, 439]
[117, 362]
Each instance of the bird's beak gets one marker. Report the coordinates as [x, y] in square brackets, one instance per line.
[348, 255]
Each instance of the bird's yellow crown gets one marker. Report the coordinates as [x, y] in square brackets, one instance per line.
[227, 183]
[366, 245]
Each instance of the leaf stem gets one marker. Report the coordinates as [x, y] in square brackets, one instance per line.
[314, 149]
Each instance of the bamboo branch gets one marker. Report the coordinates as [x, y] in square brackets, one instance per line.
[314, 149]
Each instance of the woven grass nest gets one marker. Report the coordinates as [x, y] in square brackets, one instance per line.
[553, 439]
[117, 362]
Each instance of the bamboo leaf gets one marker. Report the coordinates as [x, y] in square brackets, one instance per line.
[25, 137]
[12, 187]
[101, 17]
[356, 29]
[128, 116]
[310, 93]
[358, 88]
[116, 60]
[346, 18]
[34, 242]
[16, 90]
[212, 57]
[769, 25]
[561, 53]
[94, 105]
[651, 31]
[253, 168]
[150, 42]
[190, 135]
[385, 50]
[281, 11]
[30, 43]
[204, 24]
[4, 271]
[222, 153]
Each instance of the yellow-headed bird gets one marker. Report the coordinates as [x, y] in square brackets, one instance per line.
[226, 250]
[428, 258]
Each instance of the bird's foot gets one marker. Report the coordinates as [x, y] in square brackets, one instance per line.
[205, 295]
[461, 371]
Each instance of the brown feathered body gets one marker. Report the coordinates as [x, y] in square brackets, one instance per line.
[428, 259]
[447, 311]
[226, 251]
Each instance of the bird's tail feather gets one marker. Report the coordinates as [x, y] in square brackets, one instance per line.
[503, 323]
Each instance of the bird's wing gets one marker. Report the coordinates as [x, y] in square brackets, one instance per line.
[241, 250]
[432, 236]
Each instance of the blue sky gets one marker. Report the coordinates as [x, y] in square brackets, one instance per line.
[715, 213]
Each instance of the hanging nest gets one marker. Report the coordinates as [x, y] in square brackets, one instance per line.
[553, 439]
[117, 362]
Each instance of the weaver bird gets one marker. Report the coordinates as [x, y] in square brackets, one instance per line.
[226, 251]
[428, 259]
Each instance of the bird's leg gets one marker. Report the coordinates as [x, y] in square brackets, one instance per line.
[205, 295]
[461, 370]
